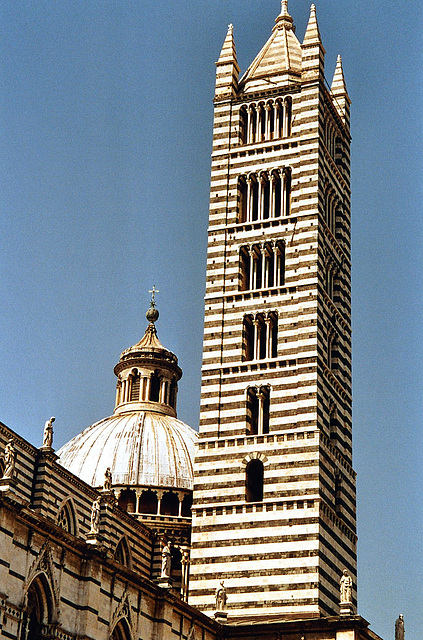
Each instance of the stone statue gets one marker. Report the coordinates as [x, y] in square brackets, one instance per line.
[95, 516]
[345, 586]
[166, 560]
[48, 433]
[221, 597]
[399, 628]
[107, 486]
[9, 457]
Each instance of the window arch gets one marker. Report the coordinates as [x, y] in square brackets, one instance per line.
[123, 553]
[264, 195]
[169, 505]
[135, 386]
[258, 410]
[148, 502]
[121, 631]
[242, 199]
[66, 517]
[260, 336]
[155, 387]
[254, 481]
[38, 612]
[261, 266]
[127, 500]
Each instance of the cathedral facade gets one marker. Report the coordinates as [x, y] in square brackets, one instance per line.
[141, 528]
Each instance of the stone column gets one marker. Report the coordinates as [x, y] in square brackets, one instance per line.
[260, 397]
[257, 333]
[272, 196]
[250, 125]
[250, 197]
[252, 269]
[159, 500]
[276, 120]
[268, 337]
[276, 267]
[283, 194]
[268, 109]
[264, 274]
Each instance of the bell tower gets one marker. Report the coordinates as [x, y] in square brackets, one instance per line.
[274, 494]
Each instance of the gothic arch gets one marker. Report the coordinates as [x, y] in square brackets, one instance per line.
[121, 630]
[123, 553]
[66, 516]
[40, 609]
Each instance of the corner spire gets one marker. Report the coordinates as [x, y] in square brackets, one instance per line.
[227, 69]
[312, 34]
[338, 85]
[339, 92]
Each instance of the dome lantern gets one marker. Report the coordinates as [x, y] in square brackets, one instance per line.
[147, 372]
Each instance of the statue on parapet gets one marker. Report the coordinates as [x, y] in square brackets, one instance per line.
[48, 433]
[221, 597]
[399, 628]
[9, 457]
[95, 516]
[345, 587]
[107, 485]
[166, 560]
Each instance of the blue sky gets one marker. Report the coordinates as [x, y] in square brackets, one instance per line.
[105, 140]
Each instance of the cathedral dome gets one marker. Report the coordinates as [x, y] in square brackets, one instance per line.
[143, 445]
[142, 449]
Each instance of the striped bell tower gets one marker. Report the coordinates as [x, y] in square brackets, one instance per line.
[274, 495]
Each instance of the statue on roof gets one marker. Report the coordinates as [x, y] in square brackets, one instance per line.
[399, 628]
[9, 457]
[48, 433]
[107, 485]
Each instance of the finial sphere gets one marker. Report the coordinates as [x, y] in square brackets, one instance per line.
[152, 314]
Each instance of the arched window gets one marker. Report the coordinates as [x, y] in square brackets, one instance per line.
[287, 120]
[244, 269]
[248, 338]
[172, 393]
[169, 505]
[135, 386]
[253, 199]
[123, 553]
[186, 506]
[121, 631]
[39, 609]
[263, 196]
[254, 477]
[287, 181]
[66, 518]
[260, 336]
[258, 409]
[252, 124]
[279, 263]
[155, 387]
[147, 503]
[252, 411]
[242, 199]
[275, 195]
[127, 500]
[243, 120]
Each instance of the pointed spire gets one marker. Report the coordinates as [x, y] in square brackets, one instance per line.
[284, 8]
[228, 53]
[339, 92]
[338, 86]
[312, 34]
[227, 71]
